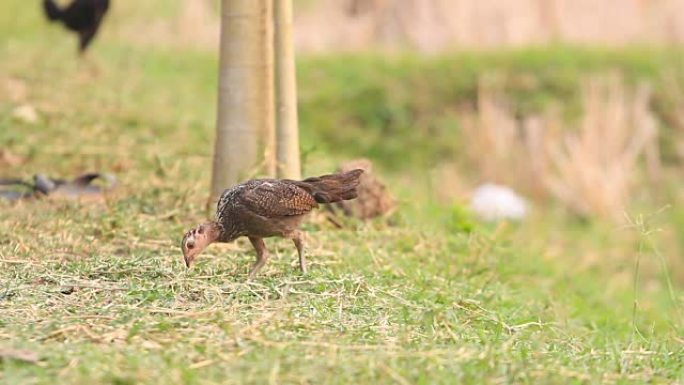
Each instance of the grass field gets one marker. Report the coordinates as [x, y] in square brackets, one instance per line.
[99, 293]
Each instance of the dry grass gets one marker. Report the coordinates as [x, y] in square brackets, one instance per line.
[184, 24]
[424, 25]
[497, 145]
[591, 168]
[595, 169]
[675, 113]
[436, 25]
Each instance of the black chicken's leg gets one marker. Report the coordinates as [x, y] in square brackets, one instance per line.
[85, 36]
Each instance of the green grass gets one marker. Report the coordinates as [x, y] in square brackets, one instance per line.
[386, 304]
[100, 293]
[389, 101]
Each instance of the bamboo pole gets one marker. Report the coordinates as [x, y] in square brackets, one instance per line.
[287, 129]
[268, 134]
[240, 95]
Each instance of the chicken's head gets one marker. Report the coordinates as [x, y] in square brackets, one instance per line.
[196, 240]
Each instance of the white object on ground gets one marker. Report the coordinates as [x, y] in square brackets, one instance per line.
[492, 202]
[26, 113]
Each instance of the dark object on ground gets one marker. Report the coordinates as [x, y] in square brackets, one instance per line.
[373, 199]
[80, 187]
[81, 16]
[262, 208]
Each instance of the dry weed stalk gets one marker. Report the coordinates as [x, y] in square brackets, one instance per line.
[674, 114]
[591, 168]
[496, 147]
[595, 166]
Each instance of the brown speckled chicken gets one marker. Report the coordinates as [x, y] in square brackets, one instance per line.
[262, 208]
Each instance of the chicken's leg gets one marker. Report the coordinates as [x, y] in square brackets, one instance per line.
[261, 255]
[296, 237]
[85, 37]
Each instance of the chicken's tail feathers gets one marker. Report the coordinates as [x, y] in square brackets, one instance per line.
[52, 11]
[334, 187]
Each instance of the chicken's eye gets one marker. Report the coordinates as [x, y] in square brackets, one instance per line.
[190, 245]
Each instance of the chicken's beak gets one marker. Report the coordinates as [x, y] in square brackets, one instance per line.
[188, 260]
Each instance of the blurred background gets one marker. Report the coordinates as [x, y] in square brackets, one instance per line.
[576, 105]
[442, 25]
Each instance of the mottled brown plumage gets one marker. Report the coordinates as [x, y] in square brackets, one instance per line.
[263, 208]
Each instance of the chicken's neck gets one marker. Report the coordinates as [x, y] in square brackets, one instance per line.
[226, 230]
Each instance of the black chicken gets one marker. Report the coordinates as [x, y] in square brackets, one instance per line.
[81, 16]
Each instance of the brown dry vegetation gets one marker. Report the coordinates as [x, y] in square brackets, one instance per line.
[427, 25]
[436, 25]
[592, 167]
